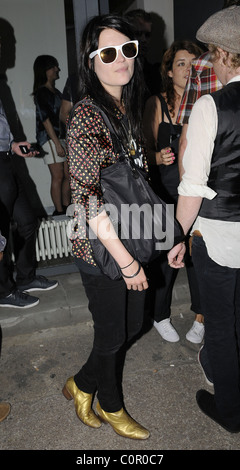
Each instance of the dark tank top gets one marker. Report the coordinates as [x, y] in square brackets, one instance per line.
[168, 136]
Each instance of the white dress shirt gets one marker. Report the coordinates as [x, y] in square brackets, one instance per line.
[222, 238]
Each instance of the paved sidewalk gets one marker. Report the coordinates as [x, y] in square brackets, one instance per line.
[66, 305]
[43, 346]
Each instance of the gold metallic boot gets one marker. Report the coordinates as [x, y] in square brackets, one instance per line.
[123, 424]
[4, 410]
[82, 402]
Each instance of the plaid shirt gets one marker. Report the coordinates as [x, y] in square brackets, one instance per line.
[202, 80]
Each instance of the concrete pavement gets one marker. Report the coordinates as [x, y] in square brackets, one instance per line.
[44, 345]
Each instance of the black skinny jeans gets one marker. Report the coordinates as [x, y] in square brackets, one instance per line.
[162, 276]
[118, 316]
[14, 205]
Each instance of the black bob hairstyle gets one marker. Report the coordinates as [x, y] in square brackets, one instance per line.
[89, 84]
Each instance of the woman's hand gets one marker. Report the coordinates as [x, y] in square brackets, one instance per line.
[137, 282]
[165, 157]
[132, 272]
[176, 255]
[60, 150]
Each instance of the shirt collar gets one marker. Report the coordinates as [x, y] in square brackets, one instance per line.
[234, 79]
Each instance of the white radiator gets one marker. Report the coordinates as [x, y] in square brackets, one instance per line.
[52, 240]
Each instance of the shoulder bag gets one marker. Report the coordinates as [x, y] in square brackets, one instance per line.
[145, 223]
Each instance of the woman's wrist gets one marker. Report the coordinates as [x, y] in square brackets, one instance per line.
[134, 271]
[159, 160]
[124, 267]
[57, 143]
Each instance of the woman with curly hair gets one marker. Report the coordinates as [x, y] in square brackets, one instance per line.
[161, 112]
[162, 136]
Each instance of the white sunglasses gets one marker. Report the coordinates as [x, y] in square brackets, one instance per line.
[109, 54]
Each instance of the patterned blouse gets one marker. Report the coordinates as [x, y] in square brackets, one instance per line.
[90, 148]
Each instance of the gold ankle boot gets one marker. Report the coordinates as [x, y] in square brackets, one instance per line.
[123, 424]
[4, 410]
[82, 402]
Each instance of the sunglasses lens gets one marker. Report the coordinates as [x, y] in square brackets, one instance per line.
[108, 55]
[129, 50]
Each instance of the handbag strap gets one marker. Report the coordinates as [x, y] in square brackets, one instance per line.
[116, 142]
[165, 111]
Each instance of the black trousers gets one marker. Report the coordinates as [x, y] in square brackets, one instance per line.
[165, 180]
[15, 207]
[118, 317]
[220, 298]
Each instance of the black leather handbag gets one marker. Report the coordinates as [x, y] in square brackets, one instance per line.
[145, 224]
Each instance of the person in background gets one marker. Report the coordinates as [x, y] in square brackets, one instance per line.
[49, 132]
[69, 97]
[162, 136]
[14, 206]
[209, 199]
[142, 23]
[111, 78]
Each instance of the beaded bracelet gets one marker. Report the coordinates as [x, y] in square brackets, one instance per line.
[128, 264]
[133, 275]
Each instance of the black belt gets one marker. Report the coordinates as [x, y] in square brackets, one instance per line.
[5, 154]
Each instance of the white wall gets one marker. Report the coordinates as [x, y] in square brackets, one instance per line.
[160, 9]
[39, 28]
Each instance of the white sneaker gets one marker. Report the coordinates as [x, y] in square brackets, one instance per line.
[196, 333]
[166, 330]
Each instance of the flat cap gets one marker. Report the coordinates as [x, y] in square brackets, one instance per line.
[222, 29]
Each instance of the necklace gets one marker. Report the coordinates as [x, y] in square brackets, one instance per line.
[131, 144]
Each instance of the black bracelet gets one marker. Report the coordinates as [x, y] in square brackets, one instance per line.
[133, 275]
[128, 264]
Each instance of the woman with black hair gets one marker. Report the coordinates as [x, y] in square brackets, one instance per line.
[111, 79]
[49, 131]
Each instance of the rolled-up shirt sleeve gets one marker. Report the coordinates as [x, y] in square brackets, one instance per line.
[201, 133]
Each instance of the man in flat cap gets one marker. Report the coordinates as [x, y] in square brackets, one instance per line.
[202, 80]
[209, 199]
